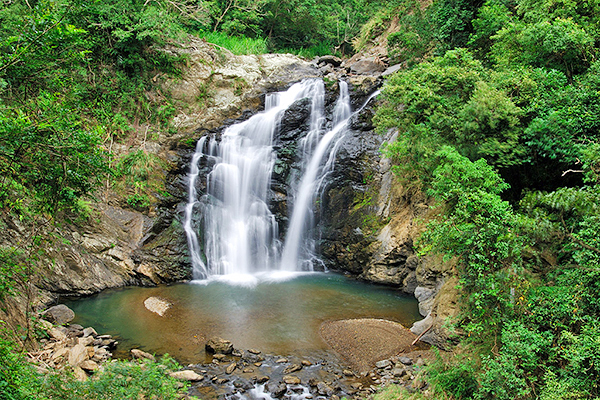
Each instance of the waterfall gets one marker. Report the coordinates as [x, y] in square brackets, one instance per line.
[299, 246]
[240, 234]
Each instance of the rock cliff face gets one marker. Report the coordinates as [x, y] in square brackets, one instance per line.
[370, 223]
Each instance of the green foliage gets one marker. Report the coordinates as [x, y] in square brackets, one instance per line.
[118, 380]
[17, 378]
[456, 378]
[46, 152]
[448, 101]
[140, 177]
[237, 44]
[12, 271]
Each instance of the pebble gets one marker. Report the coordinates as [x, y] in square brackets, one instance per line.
[254, 351]
[292, 380]
[405, 360]
[231, 368]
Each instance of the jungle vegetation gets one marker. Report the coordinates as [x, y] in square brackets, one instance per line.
[497, 109]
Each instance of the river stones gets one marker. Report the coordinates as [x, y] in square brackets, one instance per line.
[219, 345]
[364, 342]
[77, 355]
[137, 354]
[186, 375]
[59, 314]
[292, 368]
[292, 380]
[231, 368]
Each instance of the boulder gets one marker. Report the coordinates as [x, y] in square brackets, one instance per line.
[186, 375]
[277, 390]
[89, 332]
[329, 59]
[231, 368]
[57, 334]
[292, 368]
[89, 366]
[367, 66]
[77, 355]
[80, 374]
[392, 69]
[59, 314]
[137, 354]
[219, 345]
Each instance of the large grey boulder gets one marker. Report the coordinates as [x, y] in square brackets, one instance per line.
[59, 314]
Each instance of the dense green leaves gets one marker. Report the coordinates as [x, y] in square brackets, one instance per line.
[522, 99]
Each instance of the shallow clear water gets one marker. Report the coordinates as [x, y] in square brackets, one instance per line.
[276, 314]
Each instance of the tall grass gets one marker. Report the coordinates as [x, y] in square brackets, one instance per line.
[239, 45]
[320, 49]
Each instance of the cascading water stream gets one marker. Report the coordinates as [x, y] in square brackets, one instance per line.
[239, 232]
[299, 248]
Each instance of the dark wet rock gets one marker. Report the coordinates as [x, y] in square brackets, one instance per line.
[262, 379]
[243, 384]
[324, 390]
[295, 121]
[277, 389]
[329, 59]
[60, 314]
[219, 345]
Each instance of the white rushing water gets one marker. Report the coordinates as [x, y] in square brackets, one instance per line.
[239, 233]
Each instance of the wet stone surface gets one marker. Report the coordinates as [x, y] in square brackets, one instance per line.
[255, 375]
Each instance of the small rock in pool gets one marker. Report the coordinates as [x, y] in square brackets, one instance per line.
[139, 354]
[231, 368]
[156, 305]
[253, 351]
